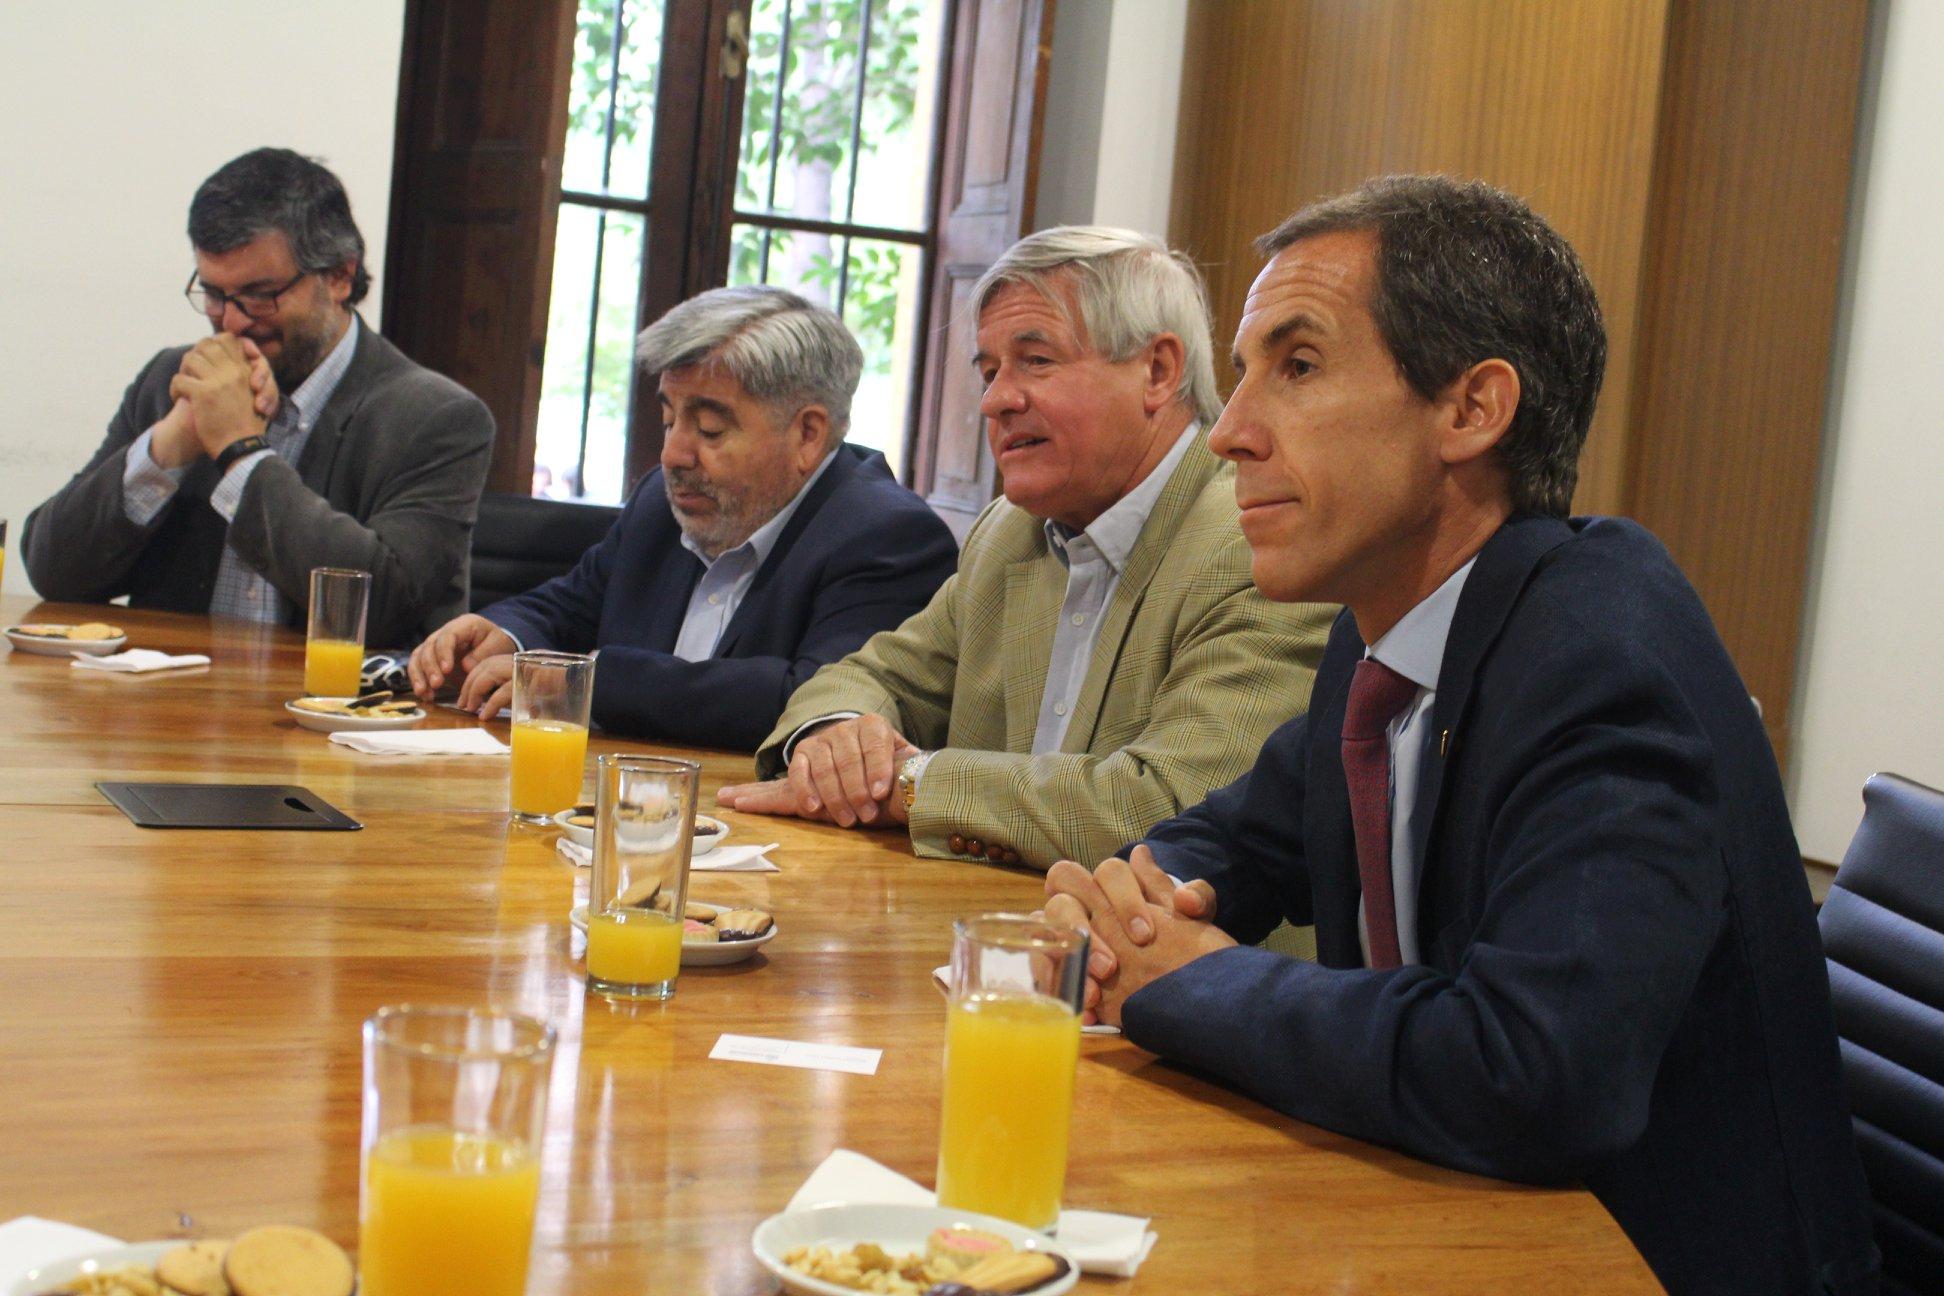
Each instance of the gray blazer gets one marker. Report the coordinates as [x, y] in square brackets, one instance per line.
[388, 482]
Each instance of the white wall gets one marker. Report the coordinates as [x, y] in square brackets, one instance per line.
[1871, 690]
[1113, 96]
[111, 113]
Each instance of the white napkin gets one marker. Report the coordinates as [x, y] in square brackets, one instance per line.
[427, 742]
[723, 859]
[942, 978]
[1099, 1243]
[138, 660]
[28, 1243]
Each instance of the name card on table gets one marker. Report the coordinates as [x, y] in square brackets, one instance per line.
[796, 1053]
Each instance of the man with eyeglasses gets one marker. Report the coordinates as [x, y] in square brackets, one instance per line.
[292, 437]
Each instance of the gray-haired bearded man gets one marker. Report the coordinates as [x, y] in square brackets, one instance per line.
[1100, 661]
[762, 548]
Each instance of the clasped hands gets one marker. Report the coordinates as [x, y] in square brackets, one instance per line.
[844, 772]
[223, 391]
[1143, 926]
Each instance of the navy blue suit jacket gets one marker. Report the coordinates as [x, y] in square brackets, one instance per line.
[859, 555]
[1622, 981]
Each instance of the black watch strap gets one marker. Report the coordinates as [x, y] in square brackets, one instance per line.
[235, 450]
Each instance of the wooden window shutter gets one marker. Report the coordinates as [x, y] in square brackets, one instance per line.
[993, 109]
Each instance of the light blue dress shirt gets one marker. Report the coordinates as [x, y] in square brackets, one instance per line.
[1414, 648]
[147, 486]
[1094, 559]
[726, 578]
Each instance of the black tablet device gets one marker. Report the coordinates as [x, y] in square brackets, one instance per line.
[226, 805]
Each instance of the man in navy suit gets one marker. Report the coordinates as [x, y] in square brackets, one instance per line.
[1562, 927]
[762, 548]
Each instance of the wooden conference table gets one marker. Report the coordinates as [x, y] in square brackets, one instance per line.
[179, 1021]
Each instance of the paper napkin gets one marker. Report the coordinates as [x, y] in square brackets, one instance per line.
[723, 859]
[28, 1243]
[427, 742]
[1099, 1242]
[942, 978]
[139, 660]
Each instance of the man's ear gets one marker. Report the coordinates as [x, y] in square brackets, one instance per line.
[1167, 365]
[1479, 405]
[809, 437]
[337, 281]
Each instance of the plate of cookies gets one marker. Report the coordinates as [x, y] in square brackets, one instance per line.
[378, 710]
[834, 1249]
[90, 638]
[276, 1260]
[712, 935]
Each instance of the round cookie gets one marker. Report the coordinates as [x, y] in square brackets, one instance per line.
[194, 1269]
[280, 1260]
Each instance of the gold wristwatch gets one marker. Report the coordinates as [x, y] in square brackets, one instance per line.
[914, 765]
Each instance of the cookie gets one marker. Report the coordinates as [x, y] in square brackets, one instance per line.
[93, 630]
[195, 1269]
[698, 933]
[280, 1260]
[743, 924]
[639, 895]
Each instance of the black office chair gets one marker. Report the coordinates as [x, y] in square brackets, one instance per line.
[1883, 931]
[520, 542]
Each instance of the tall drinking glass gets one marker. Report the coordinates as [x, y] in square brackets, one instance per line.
[334, 649]
[1012, 1038]
[644, 822]
[551, 695]
[454, 1103]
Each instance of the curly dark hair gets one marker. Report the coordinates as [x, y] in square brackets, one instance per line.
[275, 189]
[1467, 272]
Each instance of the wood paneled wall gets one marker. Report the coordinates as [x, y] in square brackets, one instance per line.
[1695, 152]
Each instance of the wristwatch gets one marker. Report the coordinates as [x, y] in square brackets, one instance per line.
[908, 774]
[235, 450]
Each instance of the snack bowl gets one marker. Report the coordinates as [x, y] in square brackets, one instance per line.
[577, 825]
[699, 953]
[899, 1229]
[710, 832]
[59, 645]
[339, 722]
[50, 1277]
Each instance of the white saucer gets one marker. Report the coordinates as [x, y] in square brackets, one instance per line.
[702, 953]
[710, 832]
[60, 646]
[898, 1229]
[47, 1277]
[320, 722]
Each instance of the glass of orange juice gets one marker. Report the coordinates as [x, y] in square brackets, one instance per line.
[644, 822]
[334, 650]
[551, 695]
[1012, 1040]
[454, 1103]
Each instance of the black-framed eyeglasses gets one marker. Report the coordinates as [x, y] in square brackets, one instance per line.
[256, 305]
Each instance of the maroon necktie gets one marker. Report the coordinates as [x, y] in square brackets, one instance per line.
[1377, 694]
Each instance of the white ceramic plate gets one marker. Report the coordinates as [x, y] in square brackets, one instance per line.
[321, 722]
[59, 646]
[898, 1229]
[710, 832]
[50, 1276]
[705, 953]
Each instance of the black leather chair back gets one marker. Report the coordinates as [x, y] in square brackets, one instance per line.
[519, 542]
[1883, 930]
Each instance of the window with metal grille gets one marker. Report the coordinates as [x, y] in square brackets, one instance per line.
[833, 175]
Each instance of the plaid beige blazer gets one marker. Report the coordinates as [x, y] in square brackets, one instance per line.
[1192, 670]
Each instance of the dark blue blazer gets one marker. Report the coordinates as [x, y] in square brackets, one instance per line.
[860, 554]
[1622, 982]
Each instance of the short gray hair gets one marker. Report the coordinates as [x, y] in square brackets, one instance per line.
[1130, 289]
[784, 350]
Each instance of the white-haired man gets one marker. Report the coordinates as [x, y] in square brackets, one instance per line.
[762, 548]
[1100, 660]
